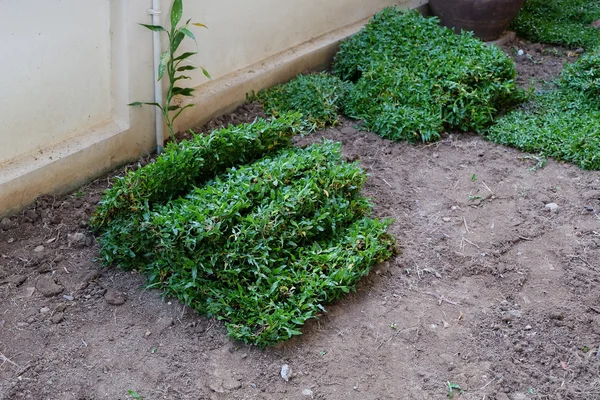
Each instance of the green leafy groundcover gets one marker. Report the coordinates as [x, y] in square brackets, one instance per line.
[192, 162]
[409, 79]
[564, 122]
[263, 246]
[319, 97]
[562, 22]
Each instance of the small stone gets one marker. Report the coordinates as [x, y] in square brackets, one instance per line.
[520, 52]
[348, 130]
[48, 287]
[446, 219]
[44, 310]
[61, 307]
[519, 348]
[516, 313]
[114, 297]
[528, 328]
[557, 315]
[68, 297]
[580, 50]
[511, 315]
[148, 333]
[544, 199]
[57, 318]
[216, 386]
[77, 239]
[22, 324]
[552, 207]
[32, 215]
[308, 393]
[17, 280]
[163, 323]
[596, 23]
[90, 276]
[39, 249]
[244, 355]
[6, 224]
[11, 240]
[231, 383]
[502, 396]
[286, 372]
[596, 325]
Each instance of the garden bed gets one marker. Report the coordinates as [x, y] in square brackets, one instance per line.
[496, 290]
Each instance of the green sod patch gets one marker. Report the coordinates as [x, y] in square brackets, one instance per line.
[564, 122]
[414, 78]
[318, 97]
[262, 246]
[561, 22]
[407, 78]
[192, 162]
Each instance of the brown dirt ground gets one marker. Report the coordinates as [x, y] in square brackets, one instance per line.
[492, 291]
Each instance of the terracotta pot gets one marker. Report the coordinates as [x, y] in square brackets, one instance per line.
[486, 18]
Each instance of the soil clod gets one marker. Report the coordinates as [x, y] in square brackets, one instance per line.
[48, 287]
[115, 297]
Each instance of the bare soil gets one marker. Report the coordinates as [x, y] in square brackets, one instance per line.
[492, 291]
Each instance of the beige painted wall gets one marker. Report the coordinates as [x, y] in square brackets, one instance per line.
[68, 69]
[54, 71]
[243, 32]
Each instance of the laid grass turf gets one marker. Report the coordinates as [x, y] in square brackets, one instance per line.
[560, 22]
[407, 78]
[252, 231]
[563, 122]
[319, 97]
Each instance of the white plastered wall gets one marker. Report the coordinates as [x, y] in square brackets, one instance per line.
[68, 69]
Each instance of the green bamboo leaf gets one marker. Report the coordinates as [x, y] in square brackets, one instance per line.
[181, 77]
[162, 65]
[200, 25]
[188, 33]
[175, 107]
[206, 73]
[182, 91]
[186, 68]
[180, 111]
[185, 55]
[155, 28]
[176, 13]
[177, 41]
[139, 104]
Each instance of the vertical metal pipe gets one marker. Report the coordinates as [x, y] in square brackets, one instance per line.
[155, 11]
